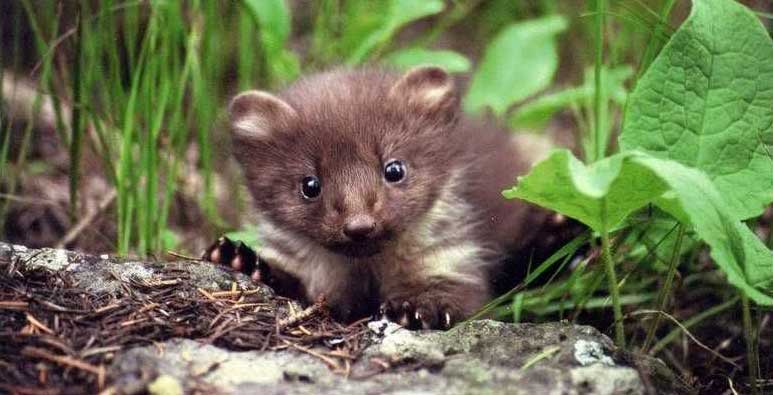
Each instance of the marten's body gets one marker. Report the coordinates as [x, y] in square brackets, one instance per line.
[373, 190]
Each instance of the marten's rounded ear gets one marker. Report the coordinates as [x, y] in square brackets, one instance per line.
[428, 89]
[258, 115]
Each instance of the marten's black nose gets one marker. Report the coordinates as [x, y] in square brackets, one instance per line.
[359, 227]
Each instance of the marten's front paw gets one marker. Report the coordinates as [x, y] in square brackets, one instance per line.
[237, 256]
[423, 311]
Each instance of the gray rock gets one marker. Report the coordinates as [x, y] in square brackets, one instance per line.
[479, 357]
[106, 274]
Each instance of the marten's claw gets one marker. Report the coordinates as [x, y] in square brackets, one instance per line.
[235, 255]
[420, 313]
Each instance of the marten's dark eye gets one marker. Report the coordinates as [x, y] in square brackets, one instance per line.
[394, 171]
[311, 187]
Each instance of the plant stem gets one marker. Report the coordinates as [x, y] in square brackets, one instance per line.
[665, 290]
[614, 291]
[654, 42]
[598, 142]
[458, 13]
[752, 356]
[76, 115]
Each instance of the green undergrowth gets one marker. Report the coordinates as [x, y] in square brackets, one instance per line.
[671, 101]
[696, 144]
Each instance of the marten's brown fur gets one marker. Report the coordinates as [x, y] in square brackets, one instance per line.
[431, 239]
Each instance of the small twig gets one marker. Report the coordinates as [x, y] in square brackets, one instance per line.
[358, 322]
[56, 342]
[342, 354]
[132, 322]
[327, 360]
[13, 305]
[28, 200]
[99, 350]
[79, 227]
[56, 307]
[231, 309]
[148, 307]
[221, 329]
[226, 294]
[37, 324]
[206, 294]
[158, 283]
[183, 256]
[731, 387]
[544, 354]
[67, 361]
[106, 308]
[303, 315]
[381, 367]
[12, 389]
[240, 305]
[687, 332]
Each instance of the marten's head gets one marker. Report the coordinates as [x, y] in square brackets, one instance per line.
[349, 159]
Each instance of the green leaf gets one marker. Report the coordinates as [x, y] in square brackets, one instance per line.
[564, 184]
[273, 17]
[406, 58]
[536, 113]
[616, 186]
[734, 247]
[518, 63]
[401, 12]
[355, 21]
[707, 102]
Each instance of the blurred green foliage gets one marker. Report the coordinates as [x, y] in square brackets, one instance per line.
[521, 61]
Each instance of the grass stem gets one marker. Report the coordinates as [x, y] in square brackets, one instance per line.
[598, 102]
[752, 353]
[655, 41]
[614, 290]
[565, 253]
[665, 290]
[76, 141]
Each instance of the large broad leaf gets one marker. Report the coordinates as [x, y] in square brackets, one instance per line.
[707, 102]
[733, 245]
[603, 194]
[401, 12]
[518, 63]
[274, 20]
[406, 58]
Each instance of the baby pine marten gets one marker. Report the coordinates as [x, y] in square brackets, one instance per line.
[373, 190]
